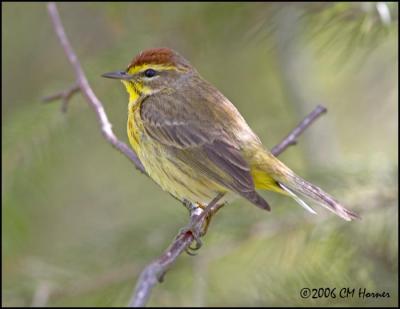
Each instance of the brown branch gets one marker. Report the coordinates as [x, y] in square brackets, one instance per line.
[84, 87]
[291, 138]
[64, 96]
[155, 271]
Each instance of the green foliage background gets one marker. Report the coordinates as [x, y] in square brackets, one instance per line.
[79, 222]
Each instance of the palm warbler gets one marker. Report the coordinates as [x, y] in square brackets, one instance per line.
[195, 144]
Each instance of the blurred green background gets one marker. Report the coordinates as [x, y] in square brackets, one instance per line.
[79, 222]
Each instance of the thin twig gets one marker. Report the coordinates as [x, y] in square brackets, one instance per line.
[156, 270]
[87, 91]
[291, 138]
[64, 96]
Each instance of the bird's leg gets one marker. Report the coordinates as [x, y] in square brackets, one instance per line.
[191, 207]
[209, 216]
[195, 210]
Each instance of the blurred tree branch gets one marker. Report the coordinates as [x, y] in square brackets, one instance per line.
[291, 138]
[64, 96]
[155, 271]
[86, 90]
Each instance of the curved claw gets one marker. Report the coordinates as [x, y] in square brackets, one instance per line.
[197, 246]
[196, 239]
[192, 250]
[189, 252]
[195, 210]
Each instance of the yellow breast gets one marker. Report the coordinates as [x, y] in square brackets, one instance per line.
[174, 176]
[134, 126]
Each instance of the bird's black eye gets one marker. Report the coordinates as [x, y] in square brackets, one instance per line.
[150, 73]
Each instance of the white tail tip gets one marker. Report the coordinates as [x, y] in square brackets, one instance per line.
[298, 200]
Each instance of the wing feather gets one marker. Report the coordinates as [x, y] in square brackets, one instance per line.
[200, 139]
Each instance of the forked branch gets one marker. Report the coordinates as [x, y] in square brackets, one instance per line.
[86, 90]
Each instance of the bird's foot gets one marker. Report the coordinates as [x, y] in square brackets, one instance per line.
[191, 207]
[196, 210]
[196, 234]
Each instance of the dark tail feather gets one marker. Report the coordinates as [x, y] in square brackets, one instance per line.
[257, 200]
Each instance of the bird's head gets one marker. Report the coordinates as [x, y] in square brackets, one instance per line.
[153, 70]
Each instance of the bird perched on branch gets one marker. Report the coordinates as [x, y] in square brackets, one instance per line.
[195, 144]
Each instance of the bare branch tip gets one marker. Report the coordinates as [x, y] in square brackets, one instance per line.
[65, 96]
[321, 109]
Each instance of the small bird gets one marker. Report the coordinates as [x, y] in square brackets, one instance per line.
[195, 144]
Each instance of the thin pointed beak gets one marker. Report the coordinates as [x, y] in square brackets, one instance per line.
[118, 75]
